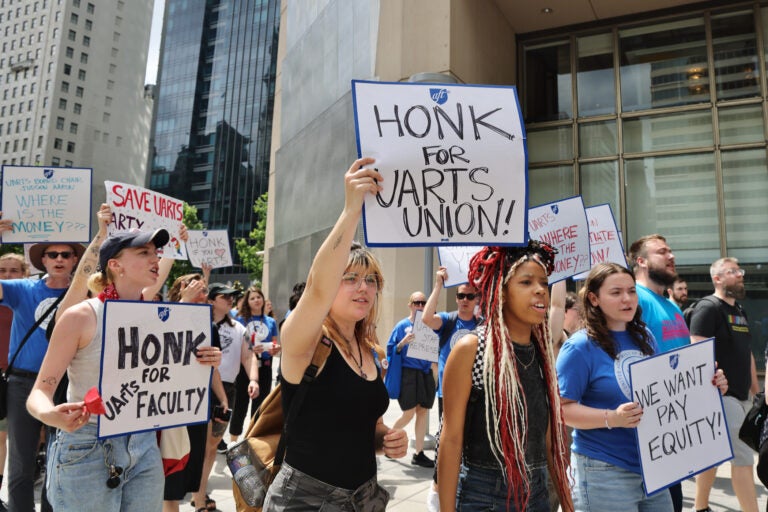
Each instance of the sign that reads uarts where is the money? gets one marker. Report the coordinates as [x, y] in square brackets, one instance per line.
[453, 163]
[150, 377]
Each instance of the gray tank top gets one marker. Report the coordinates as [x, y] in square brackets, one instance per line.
[84, 369]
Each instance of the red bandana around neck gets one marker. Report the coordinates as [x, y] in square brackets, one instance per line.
[110, 293]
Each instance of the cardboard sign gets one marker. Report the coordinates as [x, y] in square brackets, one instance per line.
[209, 247]
[135, 207]
[426, 343]
[563, 225]
[150, 378]
[456, 261]
[47, 204]
[453, 160]
[604, 238]
[683, 430]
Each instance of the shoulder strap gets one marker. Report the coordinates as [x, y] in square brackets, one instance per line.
[32, 329]
[447, 327]
[322, 351]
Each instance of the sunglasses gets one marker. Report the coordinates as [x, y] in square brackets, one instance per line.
[468, 296]
[419, 303]
[55, 254]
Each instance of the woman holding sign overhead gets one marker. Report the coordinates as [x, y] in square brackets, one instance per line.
[85, 473]
[593, 373]
[330, 459]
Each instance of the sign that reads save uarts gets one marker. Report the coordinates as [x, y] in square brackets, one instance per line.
[46, 204]
[209, 247]
[135, 207]
[683, 430]
[563, 225]
[426, 343]
[452, 159]
[150, 377]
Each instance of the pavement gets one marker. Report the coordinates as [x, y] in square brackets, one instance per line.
[408, 484]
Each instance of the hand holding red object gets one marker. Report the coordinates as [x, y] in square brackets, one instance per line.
[93, 402]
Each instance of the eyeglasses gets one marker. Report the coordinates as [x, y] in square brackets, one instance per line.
[738, 272]
[353, 279]
[419, 303]
[468, 296]
[55, 254]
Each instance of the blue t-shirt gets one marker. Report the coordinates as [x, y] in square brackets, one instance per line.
[588, 375]
[260, 329]
[460, 329]
[403, 328]
[29, 300]
[664, 319]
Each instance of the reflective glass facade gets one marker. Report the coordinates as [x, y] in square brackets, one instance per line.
[214, 116]
[665, 120]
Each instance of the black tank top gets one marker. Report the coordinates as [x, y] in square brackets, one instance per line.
[333, 436]
[477, 446]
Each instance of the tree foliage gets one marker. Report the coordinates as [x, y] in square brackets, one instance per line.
[251, 249]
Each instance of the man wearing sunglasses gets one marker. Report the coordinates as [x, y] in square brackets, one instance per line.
[30, 300]
[721, 316]
[417, 383]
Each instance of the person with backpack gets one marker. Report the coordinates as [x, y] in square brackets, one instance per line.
[417, 383]
[720, 316]
[331, 445]
[502, 433]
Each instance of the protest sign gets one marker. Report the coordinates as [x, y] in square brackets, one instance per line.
[456, 262]
[604, 238]
[210, 247]
[150, 378]
[683, 430]
[426, 341]
[453, 163]
[135, 207]
[563, 225]
[46, 204]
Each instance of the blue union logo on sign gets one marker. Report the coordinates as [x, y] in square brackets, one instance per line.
[163, 313]
[439, 96]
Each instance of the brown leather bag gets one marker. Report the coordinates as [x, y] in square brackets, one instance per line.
[267, 431]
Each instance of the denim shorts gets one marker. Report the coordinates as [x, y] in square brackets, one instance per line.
[486, 489]
[603, 487]
[293, 490]
[77, 473]
[735, 412]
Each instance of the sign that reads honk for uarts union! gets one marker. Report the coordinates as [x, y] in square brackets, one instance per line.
[453, 163]
[150, 377]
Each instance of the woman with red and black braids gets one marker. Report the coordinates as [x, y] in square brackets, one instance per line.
[502, 434]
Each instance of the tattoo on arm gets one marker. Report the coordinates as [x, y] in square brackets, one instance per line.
[87, 269]
[51, 381]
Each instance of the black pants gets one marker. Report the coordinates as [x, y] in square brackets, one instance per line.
[242, 401]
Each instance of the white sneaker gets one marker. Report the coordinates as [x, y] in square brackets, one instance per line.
[433, 501]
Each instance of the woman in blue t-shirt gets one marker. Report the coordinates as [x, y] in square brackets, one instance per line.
[592, 370]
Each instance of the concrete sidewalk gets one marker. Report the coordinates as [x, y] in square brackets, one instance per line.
[408, 484]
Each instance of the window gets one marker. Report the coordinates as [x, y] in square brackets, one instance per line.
[114, 53]
[86, 41]
[81, 74]
[77, 108]
[64, 86]
[72, 36]
[79, 91]
[84, 58]
[59, 123]
[118, 141]
[88, 25]
[73, 18]
[112, 68]
[68, 163]
[118, 21]
[57, 143]
[70, 147]
[67, 69]
[90, 8]
[73, 128]
[116, 37]
[55, 160]
[62, 104]
[120, 5]
[76, 3]
[70, 52]
[108, 101]
[110, 84]
[105, 117]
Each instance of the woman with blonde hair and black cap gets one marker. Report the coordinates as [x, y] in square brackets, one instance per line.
[84, 472]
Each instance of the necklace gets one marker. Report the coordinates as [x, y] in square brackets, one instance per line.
[525, 348]
[360, 364]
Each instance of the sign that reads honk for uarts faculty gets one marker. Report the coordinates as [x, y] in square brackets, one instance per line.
[150, 377]
[453, 163]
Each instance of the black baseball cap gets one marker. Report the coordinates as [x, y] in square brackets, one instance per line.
[216, 289]
[116, 242]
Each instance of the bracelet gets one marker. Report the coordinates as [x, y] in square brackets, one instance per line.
[606, 420]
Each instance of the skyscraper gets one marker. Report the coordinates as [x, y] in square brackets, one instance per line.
[213, 129]
[72, 86]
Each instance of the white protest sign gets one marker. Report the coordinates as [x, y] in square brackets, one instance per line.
[426, 341]
[210, 247]
[453, 163]
[455, 259]
[135, 207]
[47, 204]
[683, 430]
[150, 378]
[604, 238]
[563, 225]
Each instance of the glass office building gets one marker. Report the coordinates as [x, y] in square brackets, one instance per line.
[213, 125]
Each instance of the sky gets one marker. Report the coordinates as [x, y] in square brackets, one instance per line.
[154, 42]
